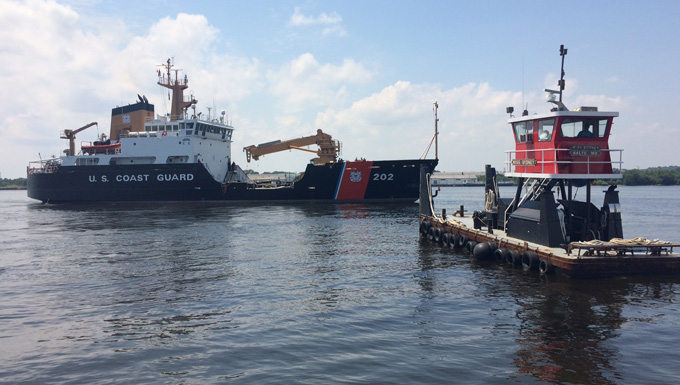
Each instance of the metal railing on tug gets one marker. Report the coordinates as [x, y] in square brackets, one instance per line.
[554, 162]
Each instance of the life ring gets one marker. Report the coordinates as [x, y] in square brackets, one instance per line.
[165, 133]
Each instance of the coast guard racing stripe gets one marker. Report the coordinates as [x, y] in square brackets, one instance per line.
[353, 180]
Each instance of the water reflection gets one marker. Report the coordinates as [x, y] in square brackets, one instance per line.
[565, 330]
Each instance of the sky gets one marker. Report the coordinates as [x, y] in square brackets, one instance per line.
[366, 72]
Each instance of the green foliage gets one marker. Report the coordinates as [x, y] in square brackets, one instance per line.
[664, 176]
[12, 183]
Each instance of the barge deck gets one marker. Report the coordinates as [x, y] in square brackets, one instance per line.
[578, 259]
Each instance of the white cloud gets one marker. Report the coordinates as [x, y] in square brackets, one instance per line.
[304, 82]
[299, 19]
[398, 122]
[332, 22]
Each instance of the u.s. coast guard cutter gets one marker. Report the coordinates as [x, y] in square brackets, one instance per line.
[185, 156]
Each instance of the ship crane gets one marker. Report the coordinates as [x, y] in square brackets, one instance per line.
[327, 153]
[71, 136]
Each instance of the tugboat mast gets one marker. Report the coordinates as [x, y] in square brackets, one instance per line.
[177, 86]
[563, 53]
[436, 132]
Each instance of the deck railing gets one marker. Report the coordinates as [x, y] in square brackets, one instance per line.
[551, 166]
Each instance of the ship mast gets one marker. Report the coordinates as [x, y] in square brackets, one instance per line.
[435, 138]
[436, 132]
[177, 86]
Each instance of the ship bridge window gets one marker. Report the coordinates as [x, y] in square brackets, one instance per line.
[226, 134]
[201, 127]
[524, 132]
[545, 130]
[584, 128]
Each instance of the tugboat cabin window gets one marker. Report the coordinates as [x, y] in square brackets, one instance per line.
[524, 132]
[584, 128]
[545, 130]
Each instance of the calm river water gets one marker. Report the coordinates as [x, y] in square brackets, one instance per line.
[314, 294]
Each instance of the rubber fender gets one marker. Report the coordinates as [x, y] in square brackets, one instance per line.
[470, 246]
[430, 234]
[447, 239]
[513, 257]
[438, 235]
[500, 254]
[455, 240]
[425, 226]
[462, 241]
[545, 267]
[484, 250]
[530, 260]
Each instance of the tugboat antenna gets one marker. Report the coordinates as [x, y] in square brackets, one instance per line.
[563, 53]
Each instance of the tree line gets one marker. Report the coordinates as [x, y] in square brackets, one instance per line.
[664, 176]
[7, 184]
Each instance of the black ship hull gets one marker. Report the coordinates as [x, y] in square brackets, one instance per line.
[363, 181]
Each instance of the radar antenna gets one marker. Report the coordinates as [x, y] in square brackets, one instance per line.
[560, 83]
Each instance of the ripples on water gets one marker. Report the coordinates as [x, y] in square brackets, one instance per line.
[211, 293]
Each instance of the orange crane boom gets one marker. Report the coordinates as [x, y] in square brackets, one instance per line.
[327, 153]
[71, 136]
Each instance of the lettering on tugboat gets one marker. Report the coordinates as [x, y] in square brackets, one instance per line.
[524, 162]
[584, 150]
